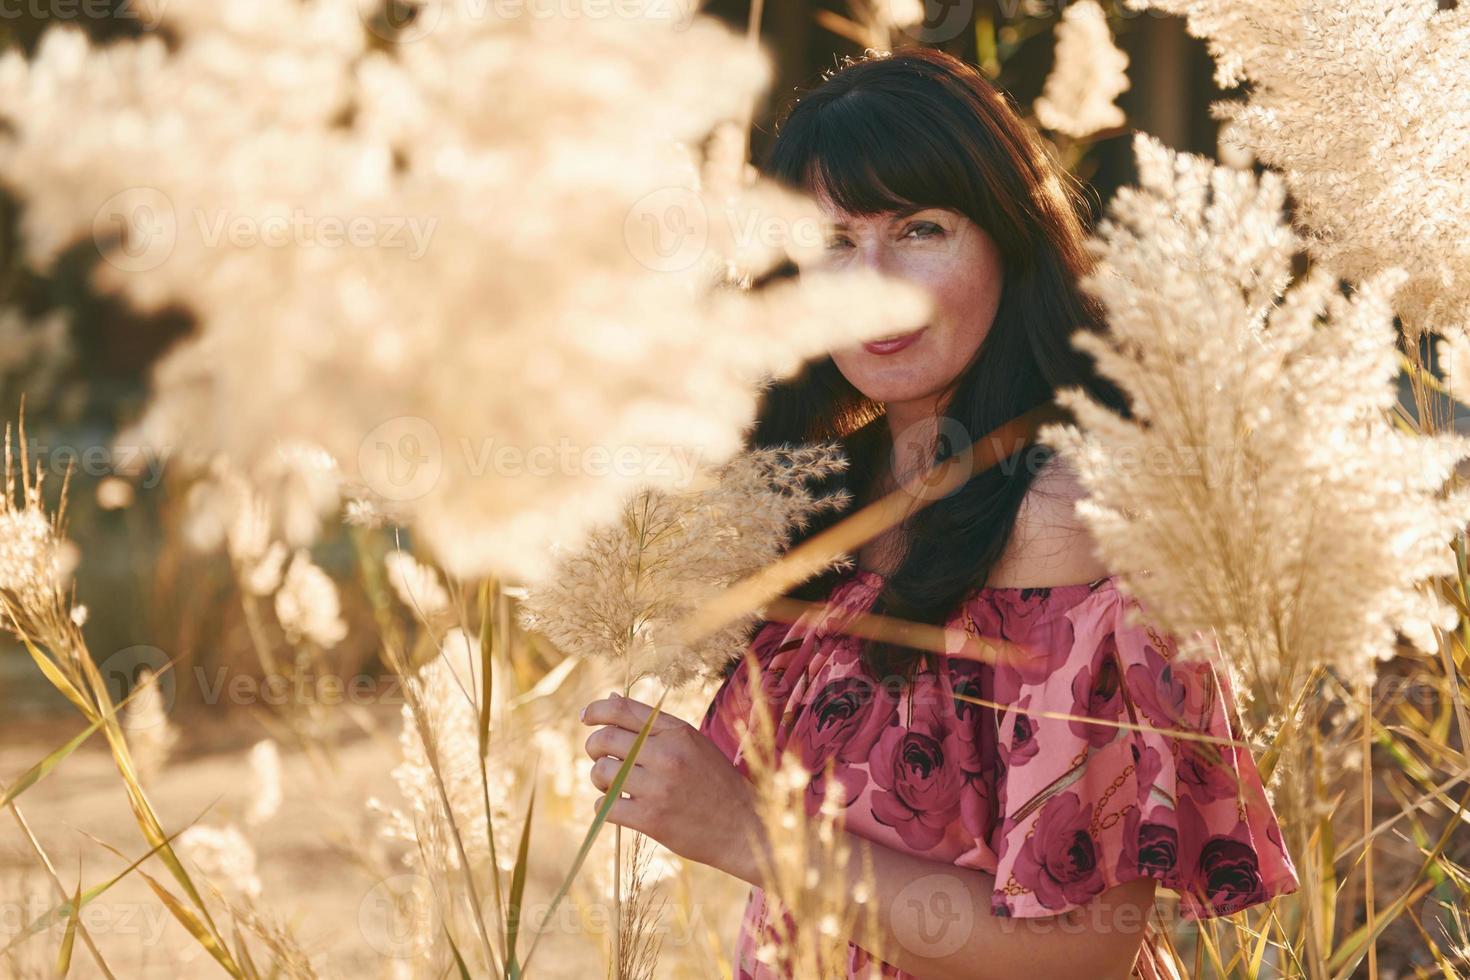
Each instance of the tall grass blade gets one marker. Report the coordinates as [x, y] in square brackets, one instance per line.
[518, 886]
[614, 790]
[63, 958]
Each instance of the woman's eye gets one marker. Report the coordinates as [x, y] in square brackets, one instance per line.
[837, 244]
[923, 229]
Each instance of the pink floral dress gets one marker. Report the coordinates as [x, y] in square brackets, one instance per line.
[1056, 808]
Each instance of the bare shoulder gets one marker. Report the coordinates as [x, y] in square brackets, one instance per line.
[1051, 544]
[1057, 479]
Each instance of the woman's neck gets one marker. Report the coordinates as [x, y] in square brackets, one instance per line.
[911, 421]
[883, 551]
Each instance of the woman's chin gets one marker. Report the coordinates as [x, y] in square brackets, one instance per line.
[880, 381]
[896, 394]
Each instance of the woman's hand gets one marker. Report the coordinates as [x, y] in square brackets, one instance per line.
[687, 796]
[684, 793]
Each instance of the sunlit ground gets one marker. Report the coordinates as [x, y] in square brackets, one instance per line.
[334, 907]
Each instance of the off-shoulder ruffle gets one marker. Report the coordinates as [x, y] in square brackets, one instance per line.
[1090, 790]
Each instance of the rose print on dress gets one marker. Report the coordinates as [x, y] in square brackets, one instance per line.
[1150, 846]
[1023, 746]
[920, 770]
[1148, 764]
[1059, 861]
[1019, 611]
[1232, 874]
[1170, 693]
[1032, 639]
[920, 787]
[843, 720]
[968, 678]
[1097, 692]
[772, 647]
[976, 723]
[1206, 770]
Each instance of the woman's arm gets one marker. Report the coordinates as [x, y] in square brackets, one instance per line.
[935, 917]
[935, 921]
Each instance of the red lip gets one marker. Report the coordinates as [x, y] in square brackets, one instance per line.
[895, 345]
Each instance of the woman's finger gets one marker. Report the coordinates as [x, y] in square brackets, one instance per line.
[605, 770]
[611, 740]
[626, 713]
[624, 813]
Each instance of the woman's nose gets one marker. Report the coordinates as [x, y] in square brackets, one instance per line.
[875, 256]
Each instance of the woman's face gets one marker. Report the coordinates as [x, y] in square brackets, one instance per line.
[956, 261]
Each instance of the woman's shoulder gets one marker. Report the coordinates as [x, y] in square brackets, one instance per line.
[1051, 544]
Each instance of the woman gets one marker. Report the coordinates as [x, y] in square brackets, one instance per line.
[1040, 787]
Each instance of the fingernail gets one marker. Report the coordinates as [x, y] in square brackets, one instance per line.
[582, 715]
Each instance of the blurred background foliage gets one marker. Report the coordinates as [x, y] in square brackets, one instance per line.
[86, 376]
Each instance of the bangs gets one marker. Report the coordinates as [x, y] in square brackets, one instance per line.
[868, 153]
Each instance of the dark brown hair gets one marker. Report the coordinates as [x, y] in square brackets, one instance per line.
[920, 128]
